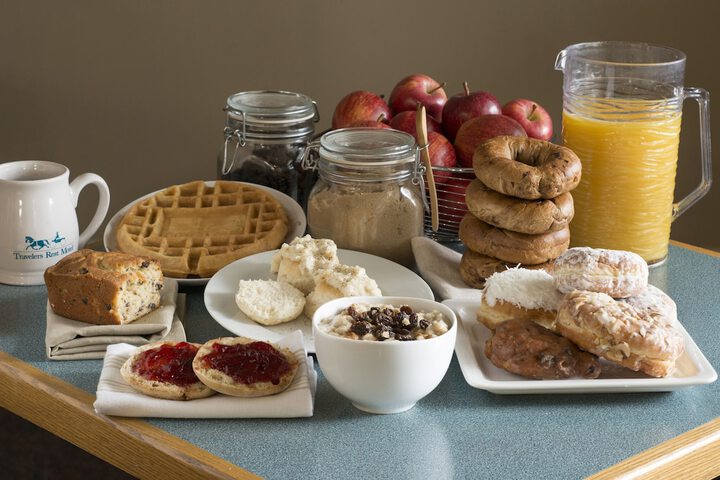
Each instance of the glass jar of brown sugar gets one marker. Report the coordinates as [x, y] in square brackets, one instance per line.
[368, 195]
[266, 133]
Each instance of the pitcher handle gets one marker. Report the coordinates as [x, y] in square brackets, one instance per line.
[80, 182]
[701, 96]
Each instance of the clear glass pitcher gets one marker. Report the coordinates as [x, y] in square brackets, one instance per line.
[622, 110]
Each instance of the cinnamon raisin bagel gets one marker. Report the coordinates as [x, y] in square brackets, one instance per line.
[512, 246]
[476, 267]
[518, 215]
[526, 167]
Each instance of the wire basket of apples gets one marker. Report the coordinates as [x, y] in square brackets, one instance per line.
[455, 125]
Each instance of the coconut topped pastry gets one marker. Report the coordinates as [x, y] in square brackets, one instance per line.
[519, 293]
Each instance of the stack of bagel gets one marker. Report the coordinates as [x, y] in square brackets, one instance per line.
[519, 206]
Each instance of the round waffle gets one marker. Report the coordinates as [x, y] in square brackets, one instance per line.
[195, 229]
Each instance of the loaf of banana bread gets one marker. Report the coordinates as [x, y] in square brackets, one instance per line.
[104, 288]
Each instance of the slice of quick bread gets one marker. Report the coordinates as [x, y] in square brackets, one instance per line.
[104, 287]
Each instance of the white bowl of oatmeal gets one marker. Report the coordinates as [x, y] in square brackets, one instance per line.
[384, 353]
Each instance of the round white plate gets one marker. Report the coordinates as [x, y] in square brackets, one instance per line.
[393, 280]
[296, 223]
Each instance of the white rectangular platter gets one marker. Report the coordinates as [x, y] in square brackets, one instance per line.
[692, 367]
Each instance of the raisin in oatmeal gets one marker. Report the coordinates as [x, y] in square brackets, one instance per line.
[385, 323]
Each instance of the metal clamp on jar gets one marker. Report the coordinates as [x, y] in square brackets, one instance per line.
[270, 131]
[368, 195]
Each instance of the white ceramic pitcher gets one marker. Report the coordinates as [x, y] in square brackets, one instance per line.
[39, 223]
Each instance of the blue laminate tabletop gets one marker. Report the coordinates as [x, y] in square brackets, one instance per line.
[455, 432]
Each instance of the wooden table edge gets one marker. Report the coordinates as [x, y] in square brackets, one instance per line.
[67, 411]
[692, 455]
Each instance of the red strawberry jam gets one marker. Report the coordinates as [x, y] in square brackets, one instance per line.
[248, 363]
[168, 364]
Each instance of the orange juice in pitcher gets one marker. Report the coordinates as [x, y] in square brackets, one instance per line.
[622, 109]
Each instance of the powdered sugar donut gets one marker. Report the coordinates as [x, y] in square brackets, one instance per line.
[616, 273]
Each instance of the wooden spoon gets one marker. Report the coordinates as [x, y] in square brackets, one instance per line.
[422, 136]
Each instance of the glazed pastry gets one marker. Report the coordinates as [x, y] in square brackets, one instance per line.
[629, 333]
[530, 350]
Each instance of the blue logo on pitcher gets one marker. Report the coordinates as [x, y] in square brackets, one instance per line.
[40, 244]
[45, 248]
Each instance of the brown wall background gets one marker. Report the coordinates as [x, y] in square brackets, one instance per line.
[133, 90]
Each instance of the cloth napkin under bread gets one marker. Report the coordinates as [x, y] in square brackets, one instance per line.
[440, 267]
[67, 339]
[115, 397]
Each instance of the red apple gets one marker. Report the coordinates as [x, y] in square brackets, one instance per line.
[476, 130]
[369, 124]
[405, 121]
[442, 154]
[379, 123]
[464, 106]
[359, 106]
[451, 199]
[534, 119]
[416, 89]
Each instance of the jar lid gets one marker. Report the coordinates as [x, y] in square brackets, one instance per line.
[368, 146]
[263, 107]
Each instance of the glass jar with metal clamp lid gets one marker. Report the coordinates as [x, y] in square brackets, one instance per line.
[368, 196]
[266, 133]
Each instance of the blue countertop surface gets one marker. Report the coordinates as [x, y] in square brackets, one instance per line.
[455, 432]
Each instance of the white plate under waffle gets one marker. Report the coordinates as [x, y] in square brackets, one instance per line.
[393, 280]
[296, 219]
[692, 366]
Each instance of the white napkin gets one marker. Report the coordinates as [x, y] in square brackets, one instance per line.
[440, 267]
[67, 339]
[115, 397]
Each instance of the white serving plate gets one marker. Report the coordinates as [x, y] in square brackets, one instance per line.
[692, 367]
[295, 214]
[393, 280]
